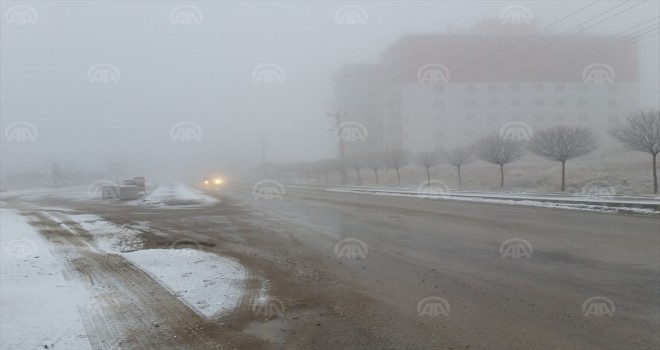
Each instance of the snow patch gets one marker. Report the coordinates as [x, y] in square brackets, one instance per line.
[38, 307]
[176, 195]
[548, 201]
[210, 284]
[110, 237]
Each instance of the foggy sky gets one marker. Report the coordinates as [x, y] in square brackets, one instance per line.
[203, 74]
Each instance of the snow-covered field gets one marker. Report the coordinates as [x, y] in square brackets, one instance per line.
[627, 172]
[38, 306]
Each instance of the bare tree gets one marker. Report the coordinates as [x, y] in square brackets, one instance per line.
[427, 159]
[356, 163]
[459, 157]
[397, 159]
[641, 132]
[375, 161]
[562, 143]
[327, 166]
[495, 149]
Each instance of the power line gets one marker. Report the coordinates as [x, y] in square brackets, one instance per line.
[528, 53]
[565, 38]
[539, 31]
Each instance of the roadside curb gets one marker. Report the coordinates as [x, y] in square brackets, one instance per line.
[595, 201]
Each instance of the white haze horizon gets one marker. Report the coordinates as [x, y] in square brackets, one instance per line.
[168, 74]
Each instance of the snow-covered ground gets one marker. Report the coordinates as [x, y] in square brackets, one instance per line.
[168, 194]
[641, 205]
[176, 193]
[110, 238]
[38, 306]
[210, 284]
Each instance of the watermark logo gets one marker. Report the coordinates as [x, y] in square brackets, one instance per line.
[20, 249]
[272, 308]
[433, 307]
[186, 132]
[433, 188]
[21, 132]
[351, 131]
[268, 189]
[268, 73]
[516, 248]
[103, 73]
[186, 15]
[515, 15]
[598, 73]
[351, 15]
[598, 189]
[103, 189]
[351, 248]
[433, 73]
[598, 306]
[186, 243]
[21, 15]
[516, 131]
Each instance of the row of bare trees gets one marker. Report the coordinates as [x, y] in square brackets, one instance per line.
[640, 132]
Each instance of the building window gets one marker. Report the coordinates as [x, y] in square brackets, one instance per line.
[583, 87]
[582, 117]
[539, 87]
[469, 87]
[438, 88]
[539, 103]
[559, 102]
[494, 118]
[492, 87]
[515, 103]
[514, 87]
[493, 103]
[539, 117]
[560, 117]
[469, 103]
[612, 102]
[559, 87]
[439, 104]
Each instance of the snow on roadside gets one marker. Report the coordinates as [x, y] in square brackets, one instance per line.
[210, 284]
[176, 194]
[38, 307]
[110, 237]
[532, 201]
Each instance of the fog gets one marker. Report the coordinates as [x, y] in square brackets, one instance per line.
[202, 73]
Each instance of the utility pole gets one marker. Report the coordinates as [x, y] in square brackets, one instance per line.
[264, 166]
[342, 158]
[263, 147]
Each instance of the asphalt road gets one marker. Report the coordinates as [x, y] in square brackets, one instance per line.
[513, 277]
[360, 271]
